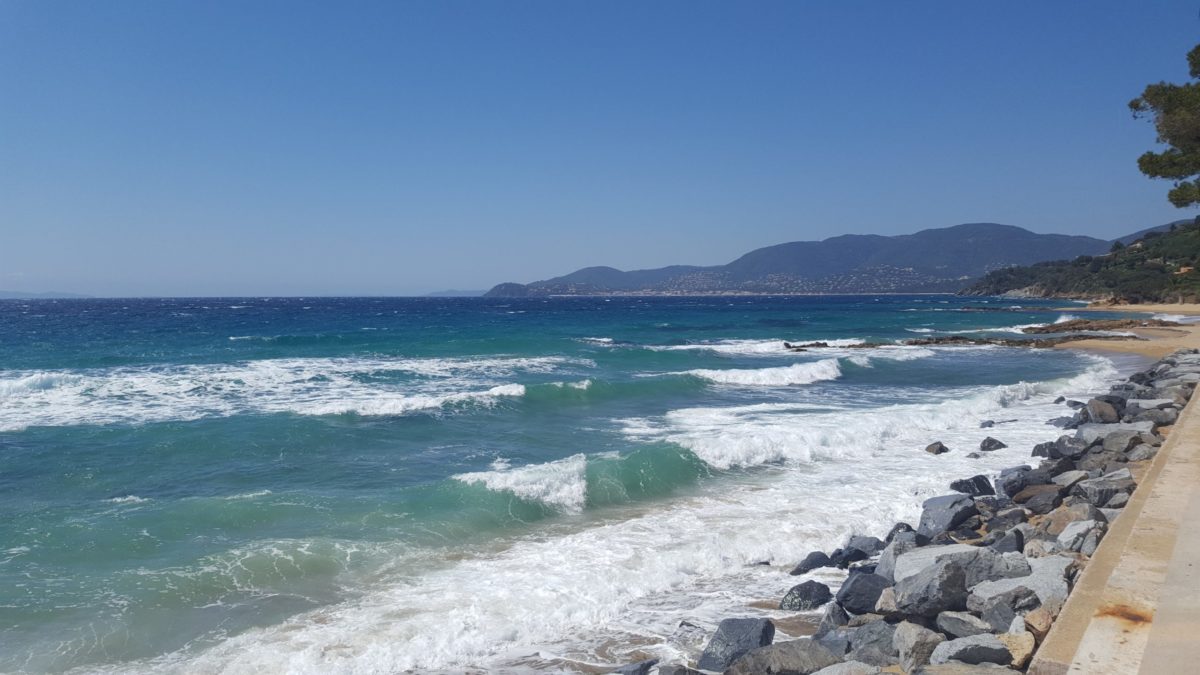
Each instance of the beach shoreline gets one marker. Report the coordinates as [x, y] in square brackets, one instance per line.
[1155, 343]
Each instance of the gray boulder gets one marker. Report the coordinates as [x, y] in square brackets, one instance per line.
[915, 644]
[836, 641]
[860, 592]
[849, 668]
[868, 545]
[735, 637]
[834, 617]
[1097, 491]
[1012, 480]
[1141, 452]
[1000, 610]
[1102, 411]
[1013, 541]
[979, 563]
[989, 444]
[812, 561]
[936, 588]
[936, 448]
[902, 543]
[1074, 535]
[975, 486]
[984, 648]
[960, 668]
[1090, 433]
[1068, 479]
[1048, 579]
[941, 514]
[806, 596]
[1120, 441]
[794, 657]
[962, 624]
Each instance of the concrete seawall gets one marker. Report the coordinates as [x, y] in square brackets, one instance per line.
[1136, 607]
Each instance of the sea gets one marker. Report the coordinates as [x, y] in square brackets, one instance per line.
[384, 485]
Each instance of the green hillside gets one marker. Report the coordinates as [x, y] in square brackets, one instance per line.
[1159, 267]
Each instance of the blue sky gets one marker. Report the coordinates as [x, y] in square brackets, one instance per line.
[300, 148]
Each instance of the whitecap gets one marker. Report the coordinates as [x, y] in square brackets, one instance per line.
[561, 484]
[797, 373]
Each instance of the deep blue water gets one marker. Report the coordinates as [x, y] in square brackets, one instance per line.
[187, 479]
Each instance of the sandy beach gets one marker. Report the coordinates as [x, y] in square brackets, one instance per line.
[1157, 342]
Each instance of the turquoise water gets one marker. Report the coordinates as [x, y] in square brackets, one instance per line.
[372, 485]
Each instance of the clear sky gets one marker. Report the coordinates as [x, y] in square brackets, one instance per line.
[302, 148]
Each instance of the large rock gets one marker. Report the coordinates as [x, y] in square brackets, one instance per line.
[1102, 411]
[1048, 579]
[1073, 536]
[1012, 480]
[834, 617]
[860, 592]
[979, 563]
[836, 641]
[902, 543]
[985, 648]
[735, 637]
[812, 561]
[868, 545]
[915, 644]
[960, 668]
[1068, 479]
[806, 596]
[989, 444]
[1121, 441]
[872, 643]
[842, 557]
[1044, 502]
[936, 588]
[1013, 541]
[941, 514]
[1090, 433]
[1020, 646]
[1137, 405]
[1032, 491]
[794, 657]
[1057, 520]
[936, 448]
[849, 668]
[1097, 491]
[962, 624]
[975, 486]
[1000, 610]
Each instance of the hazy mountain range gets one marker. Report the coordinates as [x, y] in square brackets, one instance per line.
[935, 260]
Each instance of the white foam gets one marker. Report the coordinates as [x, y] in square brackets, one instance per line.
[751, 435]
[629, 580]
[317, 386]
[797, 373]
[127, 499]
[750, 347]
[561, 484]
[1177, 318]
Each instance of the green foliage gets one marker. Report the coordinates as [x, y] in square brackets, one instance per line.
[1175, 111]
[1152, 269]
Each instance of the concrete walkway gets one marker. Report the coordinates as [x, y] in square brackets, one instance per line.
[1136, 608]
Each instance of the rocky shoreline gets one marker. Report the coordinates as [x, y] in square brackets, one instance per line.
[1075, 330]
[977, 584]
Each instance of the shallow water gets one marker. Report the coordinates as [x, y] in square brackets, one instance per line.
[374, 485]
